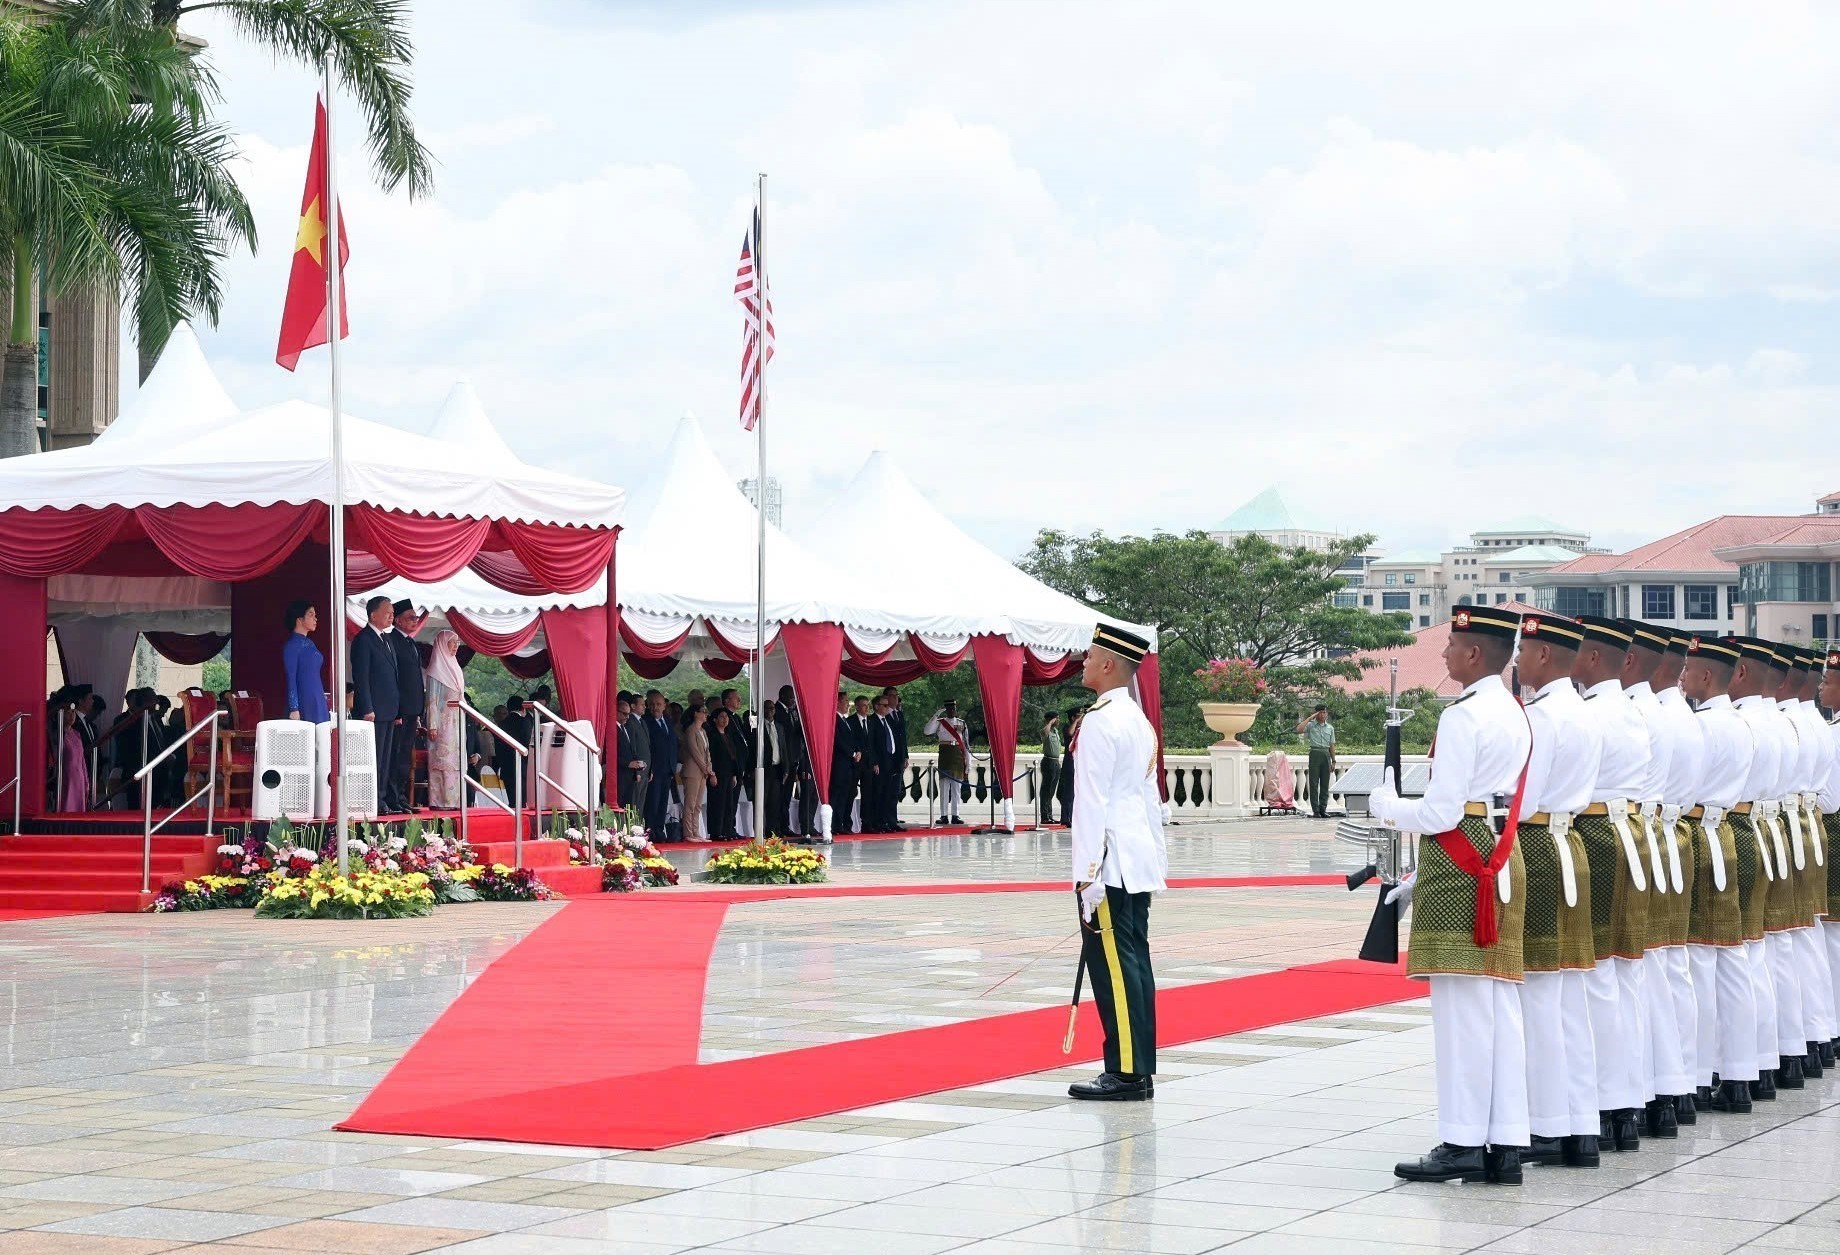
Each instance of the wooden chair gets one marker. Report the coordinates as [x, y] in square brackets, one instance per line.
[237, 739]
[198, 705]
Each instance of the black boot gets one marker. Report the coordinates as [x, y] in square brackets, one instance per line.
[1763, 1089]
[1826, 1050]
[1686, 1109]
[1811, 1062]
[1789, 1075]
[1606, 1130]
[1545, 1150]
[1502, 1164]
[1734, 1097]
[1658, 1115]
[1628, 1133]
[1581, 1151]
[1703, 1096]
[1446, 1163]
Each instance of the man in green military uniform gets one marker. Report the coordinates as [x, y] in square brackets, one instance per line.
[1319, 734]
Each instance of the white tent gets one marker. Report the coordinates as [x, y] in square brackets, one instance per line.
[968, 588]
[181, 396]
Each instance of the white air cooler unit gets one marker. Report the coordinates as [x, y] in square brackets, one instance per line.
[360, 770]
[285, 754]
[565, 761]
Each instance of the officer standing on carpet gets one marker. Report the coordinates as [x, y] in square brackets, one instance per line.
[1470, 892]
[1119, 860]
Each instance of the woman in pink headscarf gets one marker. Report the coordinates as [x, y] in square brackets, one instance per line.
[446, 735]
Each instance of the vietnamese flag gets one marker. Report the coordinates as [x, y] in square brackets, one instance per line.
[303, 318]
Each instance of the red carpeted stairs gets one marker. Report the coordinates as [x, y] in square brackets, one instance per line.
[549, 859]
[61, 871]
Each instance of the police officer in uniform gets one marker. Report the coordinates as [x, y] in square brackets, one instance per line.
[1470, 896]
[1119, 860]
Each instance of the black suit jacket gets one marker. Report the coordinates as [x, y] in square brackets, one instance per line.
[411, 691]
[373, 673]
[845, 743]
[900, 734]
[885, 748]
[725, 755]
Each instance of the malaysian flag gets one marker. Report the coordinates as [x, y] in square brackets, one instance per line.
[751, 291]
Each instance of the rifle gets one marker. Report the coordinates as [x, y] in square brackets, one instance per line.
[1390, 854]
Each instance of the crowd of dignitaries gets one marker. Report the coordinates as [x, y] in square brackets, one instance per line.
[1625, 901]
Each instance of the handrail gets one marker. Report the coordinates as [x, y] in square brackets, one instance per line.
[17, 722]
[517, 774]
[542, 777]
[209, 793]
[139, 722]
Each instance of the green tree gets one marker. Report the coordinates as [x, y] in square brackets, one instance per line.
[112, 175]
[1250, 599]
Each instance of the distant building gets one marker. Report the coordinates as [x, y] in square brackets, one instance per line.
[749, 489]
[1268, 516]
[1421, 663]
[1786, 580]
[1495, 569]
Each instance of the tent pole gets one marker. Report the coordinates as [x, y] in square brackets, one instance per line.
[757, 679]
[336, 611]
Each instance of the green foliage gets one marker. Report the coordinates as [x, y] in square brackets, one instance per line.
[1251, 599]
[216, 673]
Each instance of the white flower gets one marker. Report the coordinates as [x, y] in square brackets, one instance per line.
[355, 846]
[229, 849]
[392, 864]
[573, 834]
[399, 843]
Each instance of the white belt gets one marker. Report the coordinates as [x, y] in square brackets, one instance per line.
[1791, 807]
[1670, 825]
[1650, 813]
[1618, 808]
[1817, 835]
[1559, 823]
[1759, 826]
[1710, 818]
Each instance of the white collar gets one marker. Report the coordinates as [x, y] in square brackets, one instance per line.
[1487, 681]
[1640, 689]
[1612, 685]
[1672, 695]
[1554, 686]
[1745, 703]
[1716, 701]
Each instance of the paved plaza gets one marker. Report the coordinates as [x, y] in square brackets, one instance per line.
[170, 1083]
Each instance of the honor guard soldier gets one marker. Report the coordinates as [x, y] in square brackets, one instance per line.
[1666, 1077]
[1828, 801]
[1725, 996]
[1782, 901]
[1813, 759]
[1557, 946]
[1762, 853]
[954, 759]
[1619, 884]
[1119, 860]
[1470, 896]
[1679, 794]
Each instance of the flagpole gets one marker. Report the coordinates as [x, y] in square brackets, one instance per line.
[760, 518]
[335, 325]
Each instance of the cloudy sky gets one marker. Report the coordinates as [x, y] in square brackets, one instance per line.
[1116, 267]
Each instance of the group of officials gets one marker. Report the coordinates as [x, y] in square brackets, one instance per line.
[1625, 901]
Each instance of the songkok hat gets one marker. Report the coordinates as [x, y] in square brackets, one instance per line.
[1715, 648]
[1553, 629]
[1604, 631]
[1496, 621]
[1677, 642]
[1121, 641]
[1799, 658]
[404, 606]
[1761, 650]
[1645, 635]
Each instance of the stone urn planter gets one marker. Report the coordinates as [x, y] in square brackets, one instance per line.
[1229, 719]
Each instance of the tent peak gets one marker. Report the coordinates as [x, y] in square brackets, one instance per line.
[463, 421]
[182, 394]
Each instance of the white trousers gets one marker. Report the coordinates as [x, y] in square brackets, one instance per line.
[1727, 1011]
[1561, 1056]
[1830, 932]
[1787, 981]
[948, 799]
[1763, 1029]
[1481, 1048]
[1686, 1012]
[1616, 1037]
[1634, 1006]
[1667, 1059]
[1817, 983]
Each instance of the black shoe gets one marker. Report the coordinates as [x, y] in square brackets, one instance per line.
[1660, 1119]
[1789, 1075]
[1502, 1164]
[1763, 1089]
[1545, 1150]
[1447, 1163]
[1703, 1096]
[1734, 1097]
[1606, 1129]
[1628, 1133]
[1686, 1109]
[1811, 1062]
[1581, 1151]
[1113, 1087]
[1826, 1050]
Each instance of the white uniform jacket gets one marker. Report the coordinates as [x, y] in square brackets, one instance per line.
[1117, 804]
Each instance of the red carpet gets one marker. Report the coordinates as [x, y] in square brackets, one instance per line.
[558, 1045]
[772, 893]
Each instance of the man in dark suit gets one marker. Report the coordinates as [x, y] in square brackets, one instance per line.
[412, 696]
[868, 779]
[846, 756]
[798, 763]
[378, 695]
[515, 771]
[779, 780]
[627, 764]
[899, 716]
[663, 764]
[886, 751]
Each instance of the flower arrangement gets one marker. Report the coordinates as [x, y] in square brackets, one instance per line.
[500, 883]
[365, 894]
[772, 862]
[1232, 680]
[207, 893]
[621, 875]
[239, 860]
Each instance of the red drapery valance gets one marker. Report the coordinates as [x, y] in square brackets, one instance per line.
[187, 649]
[561, 559]
[498, 644]
[415, 546]
[636, 648]
[650, 668]
[1038, 674]
[932, 659]
[721, 668]
[527, 668]
[730, 650]
[37, 544]
[894, 671]
[231, 543]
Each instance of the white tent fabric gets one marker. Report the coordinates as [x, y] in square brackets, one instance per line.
[463, 421]
[983, 591]
[182, 395]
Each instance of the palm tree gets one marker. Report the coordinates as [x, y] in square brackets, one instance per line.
[112, 176]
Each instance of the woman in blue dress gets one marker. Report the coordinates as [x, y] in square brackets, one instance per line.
[304, 665]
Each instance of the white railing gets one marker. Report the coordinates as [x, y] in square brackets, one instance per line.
[517, 777]
[539, 777]
[209, 792]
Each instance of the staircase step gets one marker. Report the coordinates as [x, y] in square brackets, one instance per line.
[572, 882]
[99, 861]
[124, 900]
[543, 854]
[68, 844]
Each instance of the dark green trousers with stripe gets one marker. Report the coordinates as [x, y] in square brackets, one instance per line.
[1116, 952]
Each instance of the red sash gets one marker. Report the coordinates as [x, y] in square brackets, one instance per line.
[1455, 844]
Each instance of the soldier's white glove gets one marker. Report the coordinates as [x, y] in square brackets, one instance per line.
[1401, 893]
[1385, 797]
[1091, 896]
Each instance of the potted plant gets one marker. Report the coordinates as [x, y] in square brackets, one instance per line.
[1235, 685]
